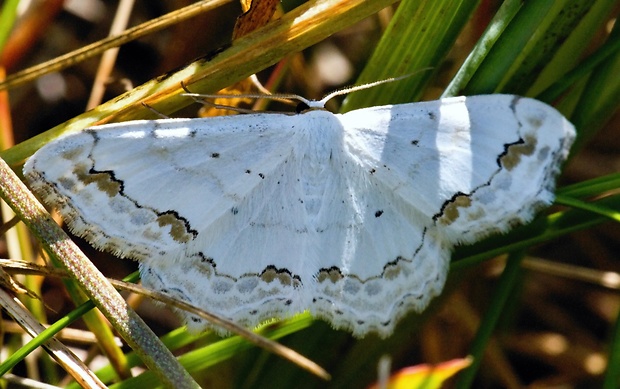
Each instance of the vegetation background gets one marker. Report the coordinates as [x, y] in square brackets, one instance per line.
[546, 315]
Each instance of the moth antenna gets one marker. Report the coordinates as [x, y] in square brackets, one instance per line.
[356, 88]
[156, 112]
[285, 97]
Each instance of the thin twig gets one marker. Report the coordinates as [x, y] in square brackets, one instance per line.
[86, 52]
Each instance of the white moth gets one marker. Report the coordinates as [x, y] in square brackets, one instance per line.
[352, 216]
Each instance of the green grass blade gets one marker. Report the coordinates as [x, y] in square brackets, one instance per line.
[502, 295]
[493, 32]
[418, 38]
[8, 14]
